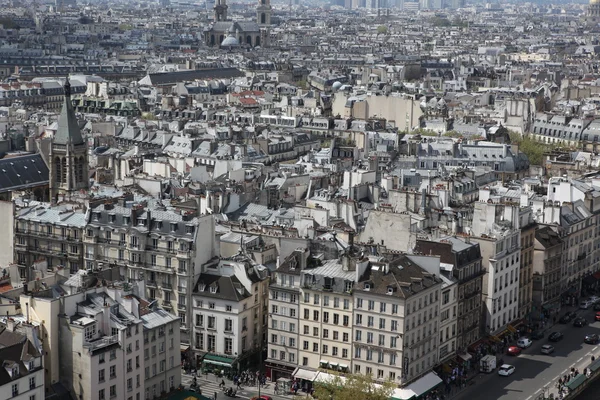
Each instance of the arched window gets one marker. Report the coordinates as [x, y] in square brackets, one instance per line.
[249, 40]
[80, 170]
[63, 171]
[57, 170]
[263, 18]
[257, 41]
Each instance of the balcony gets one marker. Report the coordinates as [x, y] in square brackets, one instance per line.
[182, 270]
[167, 286]
[181, 307]
[182, 289]
[151, 284]
[167, 304]
[472, 294]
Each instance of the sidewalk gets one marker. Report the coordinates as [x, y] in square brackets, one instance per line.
[268, 389]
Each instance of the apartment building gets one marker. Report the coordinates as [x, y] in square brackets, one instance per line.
[461, 262]
[547, 260]
[49, 233]
[396, 319]
[22, 375]
[496, 229]
[230, 313]
[284, 309]
[165, 248]
[326, 316]
[528, 228]
[162, 355]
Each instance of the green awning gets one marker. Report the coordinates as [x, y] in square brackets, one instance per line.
[218, 360]
[595, 365]
[576, 382]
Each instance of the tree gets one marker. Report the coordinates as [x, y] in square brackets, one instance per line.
[353, 387]
[533, 149]
[382, 29]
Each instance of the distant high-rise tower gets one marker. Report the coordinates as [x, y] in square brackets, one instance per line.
[68, 157]
[263, 12]
[220, 10]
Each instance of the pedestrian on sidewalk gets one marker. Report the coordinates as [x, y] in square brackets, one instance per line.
[215, 396]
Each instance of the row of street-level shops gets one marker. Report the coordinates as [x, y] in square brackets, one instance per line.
[418, 389]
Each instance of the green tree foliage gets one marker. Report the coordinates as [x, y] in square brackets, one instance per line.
[353, 387]
[453, 134]
[440, 22]
[382, 29]
[533, 149]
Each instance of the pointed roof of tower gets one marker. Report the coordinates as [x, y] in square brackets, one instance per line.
[68, 128]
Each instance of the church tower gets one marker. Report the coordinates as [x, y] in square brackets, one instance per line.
[220, 10]
[593, 12]
[263, 13]
[68, 156]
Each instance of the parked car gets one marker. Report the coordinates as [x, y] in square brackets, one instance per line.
[597, 307]
[506, 370]
[594, 299]
[597, 317]
[568, 317]
[580, 322]
[513, 351]
[524, 342]
[536, 335]
[262, 397]
[556, 337]
[547, 349]
[592, 338]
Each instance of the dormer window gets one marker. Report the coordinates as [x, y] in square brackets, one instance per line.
[213, 289]
[157, 225]
[189, 230]
[367, 286]
[15, 371]
[126, 220]
[202, 287]
[173, 227]
[96, 216]
[390, 290]
[31, 365]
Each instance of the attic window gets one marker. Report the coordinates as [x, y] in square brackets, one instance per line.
[157, 224]
[367, 286]
[213, 289]
[173, 227]
[390, 290]
[112, 218]
[202, 287]
[15, 371]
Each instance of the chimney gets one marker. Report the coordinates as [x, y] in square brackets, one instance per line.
[10, 324]
[351, 239]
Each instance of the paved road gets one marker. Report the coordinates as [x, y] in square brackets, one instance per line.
[209, 385]
[534, 371]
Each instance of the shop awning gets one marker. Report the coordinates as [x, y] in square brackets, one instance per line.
[417, 388]
[305, 374]
[218, 360]
[342, 366]
[465, 356]
[595, 365]
[576, 382]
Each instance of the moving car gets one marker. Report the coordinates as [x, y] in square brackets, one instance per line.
[568, 317]
[592, 338]
[555, 337]
[547, 349]
[506, 370]
[513, 351]
[585, 304]
[597, 316]
[524, 342]
[580, 322]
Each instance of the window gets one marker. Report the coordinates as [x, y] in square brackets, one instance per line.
[113, 391]
[15, 389]
[90, 332]
[101, 394]
[101, 375]
[113, 354]
[113, 372]
[32, 382]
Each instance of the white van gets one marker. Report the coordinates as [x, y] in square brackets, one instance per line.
[586, 304]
